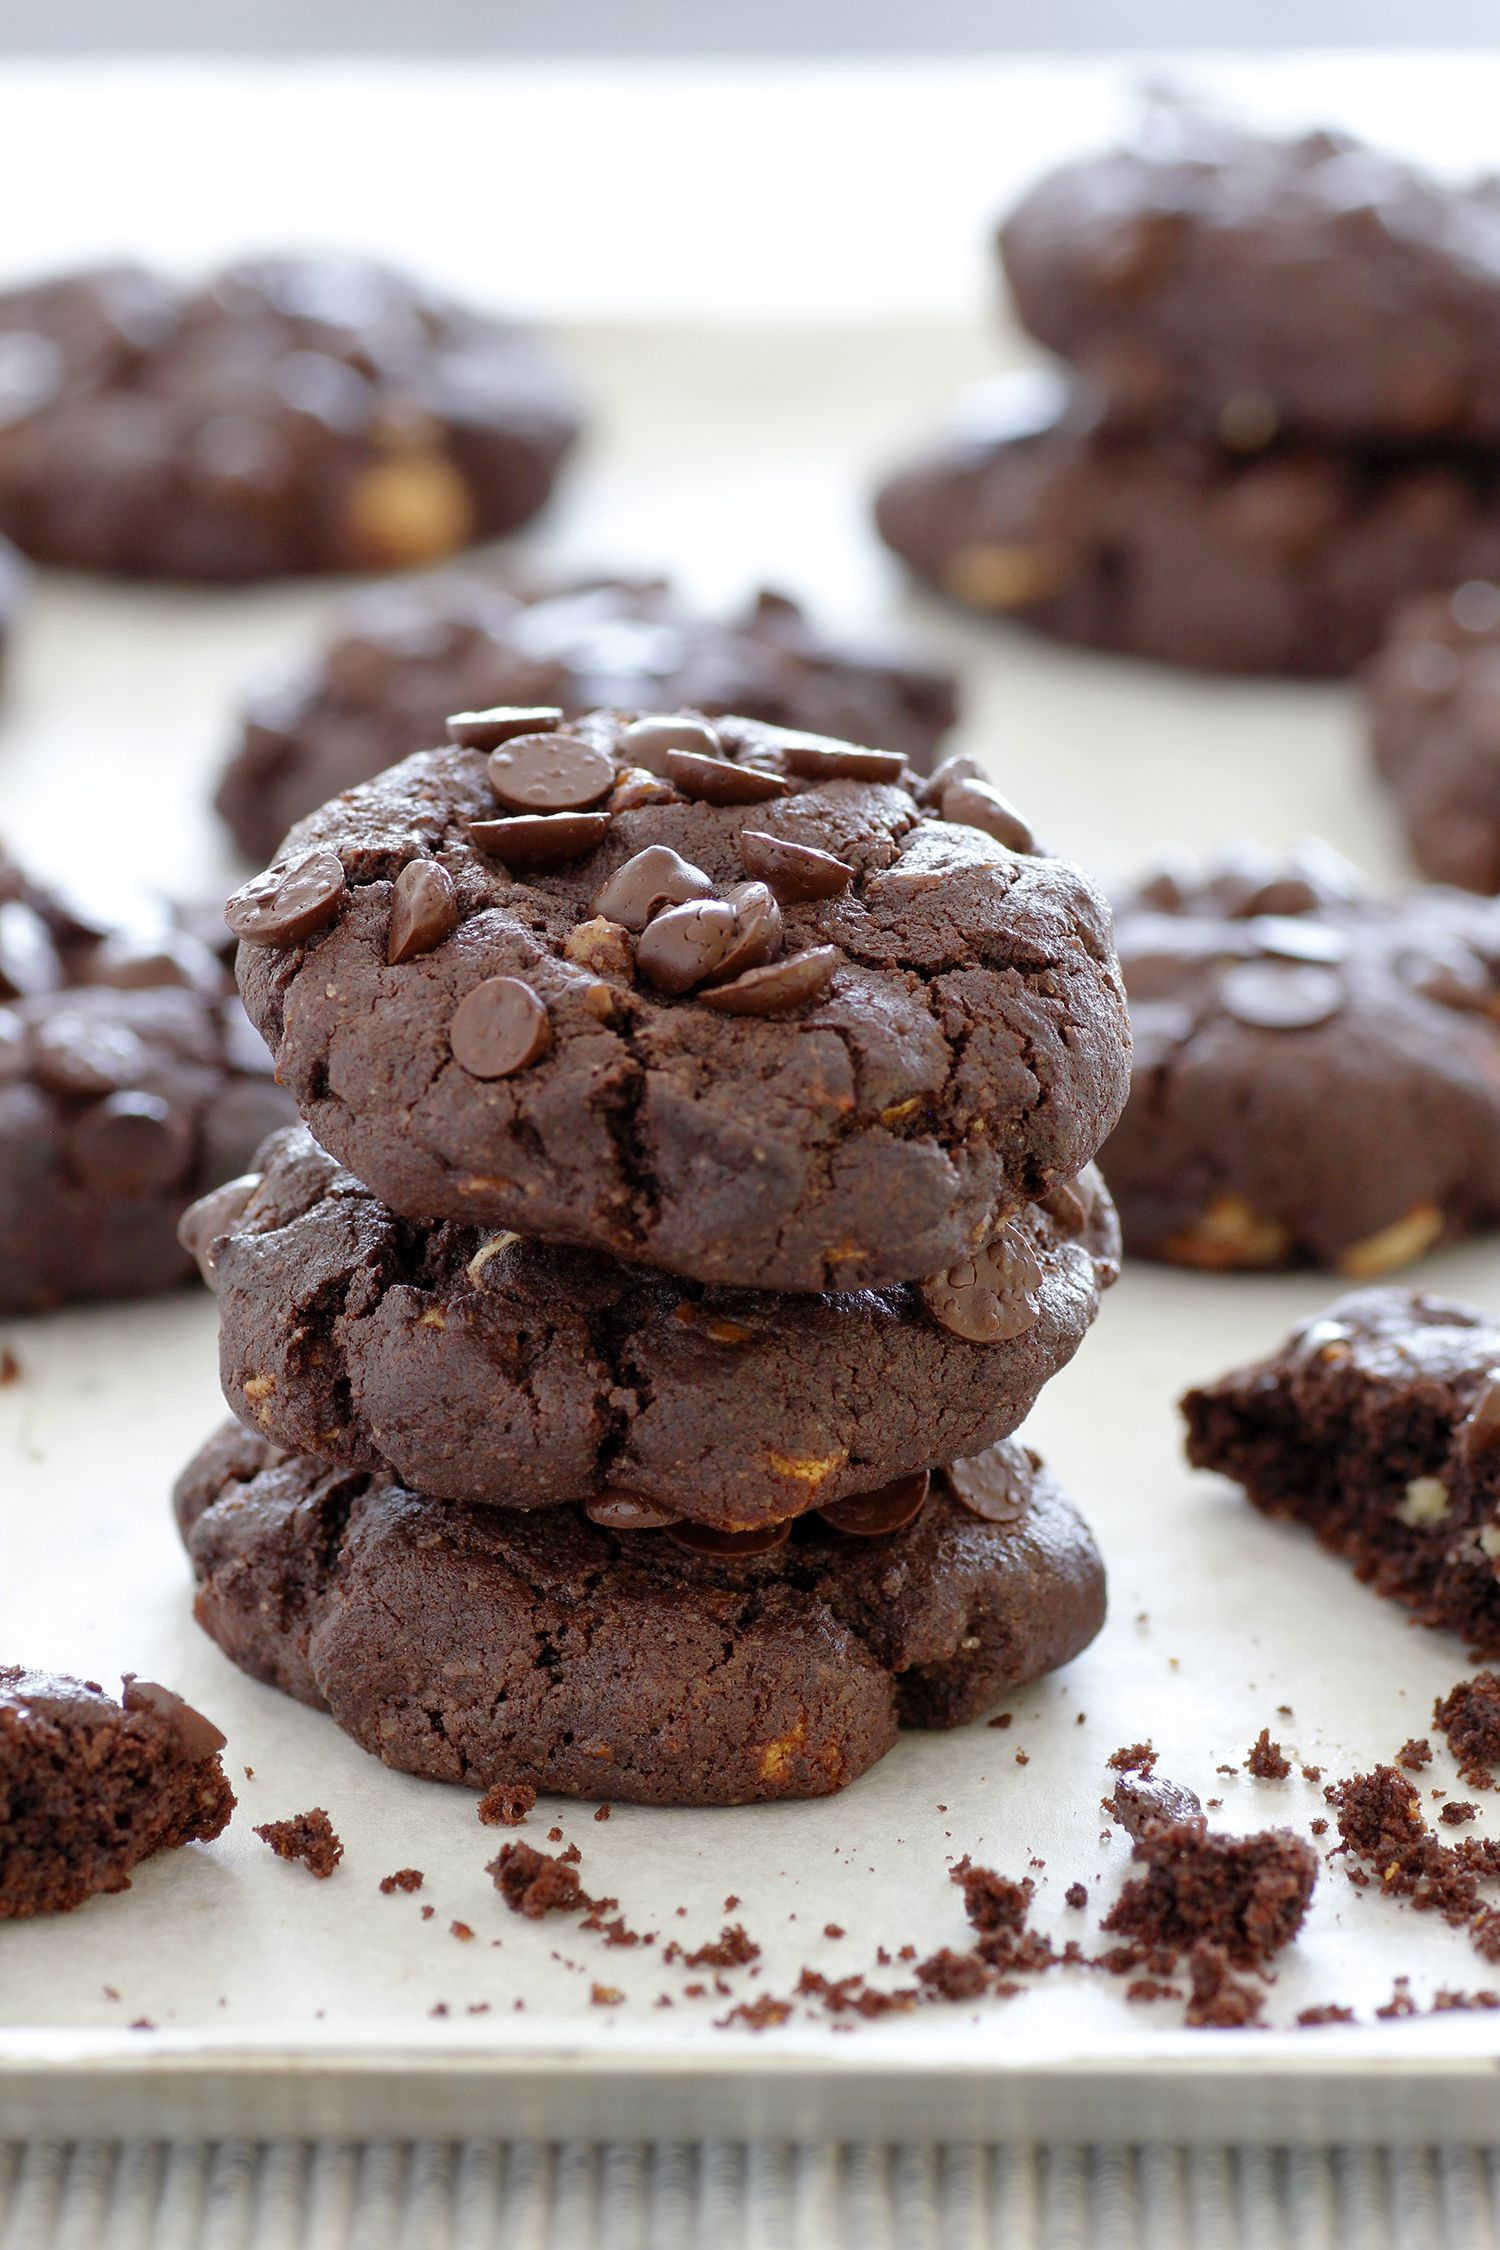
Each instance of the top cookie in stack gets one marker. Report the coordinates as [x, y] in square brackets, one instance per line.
[1280, 421]
[717, 1104]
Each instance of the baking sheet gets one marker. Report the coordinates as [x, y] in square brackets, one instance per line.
[278, 2003]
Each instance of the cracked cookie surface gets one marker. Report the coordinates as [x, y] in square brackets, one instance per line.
[1377, 1425]
[1317, 1066]
[821, 1088]
[402, 657]
[475, 1645]
[485, 1367]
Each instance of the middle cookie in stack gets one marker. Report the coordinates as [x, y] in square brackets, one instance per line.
[725, 1100]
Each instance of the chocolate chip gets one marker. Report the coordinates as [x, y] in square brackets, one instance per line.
[83, 1056]
[686, 944]
[871, 1515]
[991, 1296]
[757, 930]
[286, 904]
[204, 1224]
[1290, 937]
[841, 761]
[541, 839]
[779, 987]
[29, 964]
[647, 742]
[655, 878]
[1270, 997]
[486, 730]
[719, 781]
[130, 963]
[705, 1539]
[197, 1738]
[794, 871]
[130, 1145]
[1070, 1204]
[1479, 1431]
[550, 773]
[424, 910]
[994, 1485]
[1454, 978]
[499, 1028]
[977, 804]
[627, 1511]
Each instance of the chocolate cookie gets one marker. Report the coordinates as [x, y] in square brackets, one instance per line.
[483, 1367]
[1167, 547]
[403, 657]
[1317, 1067]
[721, 999]
[1378, 1426]
[293, 414]
[15, 585]
[476, 1645]
[90, 1787]
[1256, 283]
[130, 1083]
[1432, 702]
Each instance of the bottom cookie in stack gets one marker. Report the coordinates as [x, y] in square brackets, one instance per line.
[650, 1660]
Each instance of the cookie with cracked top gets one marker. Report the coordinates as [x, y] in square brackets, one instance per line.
[130, 1083]
[1377, 1425]
[290, 414]
[1256, 283]
[484, 1367]
[1164, 546]
[1317, 1066]
[90, 1787]
[402, 657]
[535, 982]
[475, 1645]
[1432, 706]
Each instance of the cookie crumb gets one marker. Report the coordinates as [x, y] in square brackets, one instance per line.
[1329, 2013]
[404, 1879]
[1076, 1895]
[1267, 1761]
[605, 1995]
[603, 1812]
[1455, 1815]
[308, 1837]
[1135, 1757]
[461, 1931]
[532, 1883]
[10, 1367]
[1001, 1719]
[1469, 1716]
[1415, 1754]
[506, 1803]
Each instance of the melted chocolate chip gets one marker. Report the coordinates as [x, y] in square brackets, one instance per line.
[424, 910]
[1147, 1800]
[84, 1056]
[648, 742]
[1479, 1431]
[614, 1510]
[991, 1296]
[1270, 997]
[1070, 1204]
[977, 804]
[872, 1515]
[205, 1223]
[655, 878]
[499, 1028]
[840, 761]
[718, 781]
[486, 730]
[686, 944]
[550, 773]
[1290, 937]
[541, 839]
[130, 1145]
[705, 1539]
[779, 987]
[995, 1485]
[197, 1737]
[28, 959]
[757, 930]
[794, 871]
[287, 904]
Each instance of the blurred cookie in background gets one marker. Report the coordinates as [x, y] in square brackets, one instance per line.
[1432, 703]
[291, 414]
[402, 658]
[130, 1084]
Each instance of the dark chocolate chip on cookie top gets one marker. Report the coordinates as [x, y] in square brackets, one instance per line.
[727, 999]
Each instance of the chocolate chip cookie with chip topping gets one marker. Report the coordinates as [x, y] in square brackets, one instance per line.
[647, 1661]
[1169, 547]
[480, 1366]
[402, 657]
[535, 981]
[130, 1083]
[1317, 1066]
[292, 414]
[1377, 1425]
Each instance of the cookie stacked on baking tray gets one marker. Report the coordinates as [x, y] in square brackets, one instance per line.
[1277, 416]
[694, 1194]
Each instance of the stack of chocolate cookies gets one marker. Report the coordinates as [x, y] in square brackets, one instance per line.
[694, 1193]
[1277, 419]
